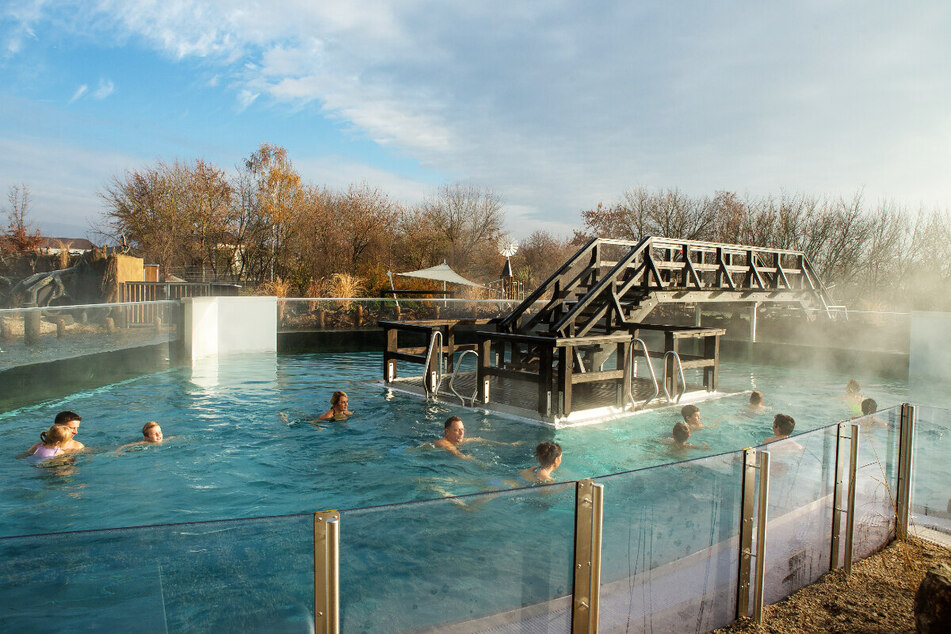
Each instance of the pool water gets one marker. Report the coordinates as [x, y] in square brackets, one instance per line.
[240, 442]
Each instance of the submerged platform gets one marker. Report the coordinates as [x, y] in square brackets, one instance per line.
[594, 402]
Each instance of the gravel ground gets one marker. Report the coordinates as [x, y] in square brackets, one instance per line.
[879, 596]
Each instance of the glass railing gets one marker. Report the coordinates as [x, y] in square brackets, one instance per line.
[227, 576]
[669, 546]
[505, 555]
[931, 468]
[38, 335]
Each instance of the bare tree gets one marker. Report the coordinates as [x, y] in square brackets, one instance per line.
[469, 219]
[20, 234]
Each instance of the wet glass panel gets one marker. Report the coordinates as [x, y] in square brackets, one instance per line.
[670, 546]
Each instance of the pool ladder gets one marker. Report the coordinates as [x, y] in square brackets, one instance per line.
[683, 381]
[435, 379]
[455, 371]
[633, 370]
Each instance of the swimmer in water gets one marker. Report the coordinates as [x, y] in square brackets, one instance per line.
[69, 420]
[783, 426]
[869, 407]
[52, 443]
[152, 434]
[549, 459]
[691, 414]
[679, 436]
[755, 405]
[338, 407]
[454, 436]
[853, 396]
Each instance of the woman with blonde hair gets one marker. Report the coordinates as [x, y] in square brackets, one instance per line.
[338, 407]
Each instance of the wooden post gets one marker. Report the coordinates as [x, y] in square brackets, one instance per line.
[565, 371]
[711, 374]
[485, 361]
[670, 344]
[389, 365]
[545, 354]
[624, 363]
[31, 326]
[450, 340]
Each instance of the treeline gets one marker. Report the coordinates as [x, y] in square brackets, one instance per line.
[875, 256]
[267, 226]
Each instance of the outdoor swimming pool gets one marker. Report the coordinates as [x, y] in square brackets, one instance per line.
[243, 447]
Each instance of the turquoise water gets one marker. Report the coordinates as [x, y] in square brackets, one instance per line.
[242, 444]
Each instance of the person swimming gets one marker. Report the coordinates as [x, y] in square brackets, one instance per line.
[338, 407]
[70, 422]
[679, 436]
[755, 405]
[549, 458]
[52, 442]
[152, 434]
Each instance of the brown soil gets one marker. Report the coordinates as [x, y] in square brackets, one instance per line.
[879, 596]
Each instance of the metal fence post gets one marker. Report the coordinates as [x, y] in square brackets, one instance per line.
[909, 417]
[836, 500]
[327, 572]
[850, 518]
[586, 590]
[748, 485]
[761, 536]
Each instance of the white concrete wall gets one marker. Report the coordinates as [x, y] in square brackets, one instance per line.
[225, 325]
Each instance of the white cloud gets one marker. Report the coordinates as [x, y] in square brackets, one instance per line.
[83, 88]
[246, 98]
[105, 89]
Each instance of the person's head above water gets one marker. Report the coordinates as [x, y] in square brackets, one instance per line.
[339, 401]
[869, 406]
[56, 436]
[691, 414]
[756, 397]
[681, 432]
[455, 430]
[152, 431]
[69, 419]
[548, 454]
[783, 424]
[853, 387]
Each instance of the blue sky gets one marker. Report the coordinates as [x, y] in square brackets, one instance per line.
[553, 105]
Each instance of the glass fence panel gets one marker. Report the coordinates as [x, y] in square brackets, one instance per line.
[669, 559]
[39, 335]
[486, 562]
[876, 482]
[231, 576]
[799, 517]
[316, 314]
[931, 470]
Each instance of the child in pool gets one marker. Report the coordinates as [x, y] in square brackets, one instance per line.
[338, 407]
[680, 435]
[52, 443]
[549, 458]
[151, 432]
[755, 405]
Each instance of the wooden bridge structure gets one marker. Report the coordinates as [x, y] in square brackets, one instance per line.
[572, 347]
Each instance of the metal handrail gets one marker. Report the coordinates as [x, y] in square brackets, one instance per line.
[440, 364]
[633, 370]
[455, 371]
[683, 381]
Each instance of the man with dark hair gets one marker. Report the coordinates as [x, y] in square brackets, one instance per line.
[783, 426]
[454, 435]
[69, 420]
